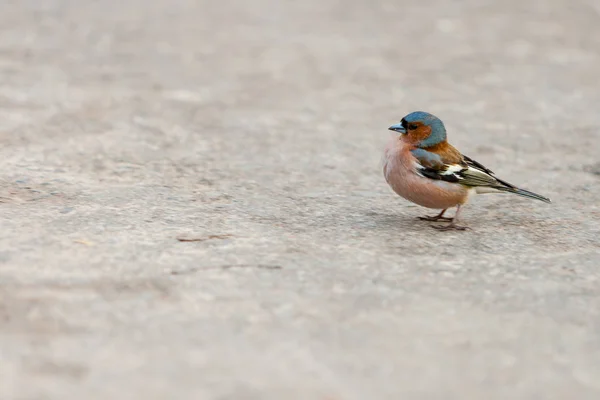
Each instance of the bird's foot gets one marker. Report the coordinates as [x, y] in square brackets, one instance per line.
[435, 218]
[450, 227]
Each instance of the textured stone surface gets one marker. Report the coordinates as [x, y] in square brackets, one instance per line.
[257, 127]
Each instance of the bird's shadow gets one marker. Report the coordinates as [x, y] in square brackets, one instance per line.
[392, 221]
[379, 222]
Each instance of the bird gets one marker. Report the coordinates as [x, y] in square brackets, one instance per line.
[422, 167]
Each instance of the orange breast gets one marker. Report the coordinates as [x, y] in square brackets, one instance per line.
[400, 173]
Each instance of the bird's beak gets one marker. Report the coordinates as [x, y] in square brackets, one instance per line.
[397, 128]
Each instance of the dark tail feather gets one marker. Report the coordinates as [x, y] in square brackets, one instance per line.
[525, 193]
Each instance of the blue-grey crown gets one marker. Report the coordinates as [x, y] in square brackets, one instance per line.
[438, 130]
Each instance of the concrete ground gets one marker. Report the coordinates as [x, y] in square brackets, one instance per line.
[256, 129]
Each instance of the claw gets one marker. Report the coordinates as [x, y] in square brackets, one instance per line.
[451, 226]
[435, 218]
[439, 217]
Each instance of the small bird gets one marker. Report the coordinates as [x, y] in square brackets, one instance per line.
[421, 166]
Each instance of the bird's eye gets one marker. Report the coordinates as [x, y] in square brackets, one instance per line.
[412, 127]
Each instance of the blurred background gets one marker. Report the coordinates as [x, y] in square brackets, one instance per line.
[257, 127]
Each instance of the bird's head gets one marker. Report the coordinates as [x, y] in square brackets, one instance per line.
[421, 129]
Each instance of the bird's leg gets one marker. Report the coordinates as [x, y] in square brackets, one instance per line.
[452, 225]
[438, 217]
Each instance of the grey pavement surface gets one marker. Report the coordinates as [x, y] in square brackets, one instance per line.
[257, 128]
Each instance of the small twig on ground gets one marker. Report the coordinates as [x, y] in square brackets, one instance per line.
[229, 266]
[83, 241]
[203, 238]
